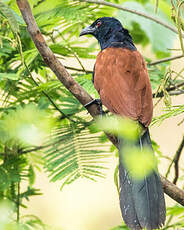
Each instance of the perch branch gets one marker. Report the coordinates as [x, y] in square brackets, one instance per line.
[172, 190]
[77, 91]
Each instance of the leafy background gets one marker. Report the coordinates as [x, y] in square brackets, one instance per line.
[44, 129]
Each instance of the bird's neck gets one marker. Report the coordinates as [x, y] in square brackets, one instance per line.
[117, 39]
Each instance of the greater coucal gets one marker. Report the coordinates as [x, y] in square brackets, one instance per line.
[121, 78]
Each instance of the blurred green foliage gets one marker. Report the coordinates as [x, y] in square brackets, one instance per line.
[25, 126]
[139, 162]
[34, 103]
[146, 31]
[119, 126]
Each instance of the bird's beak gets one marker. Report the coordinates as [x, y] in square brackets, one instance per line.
[87, 30]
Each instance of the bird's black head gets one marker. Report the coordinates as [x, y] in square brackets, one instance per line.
[110, 33]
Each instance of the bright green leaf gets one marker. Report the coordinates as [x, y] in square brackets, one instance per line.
[139, 162]
[11, 76]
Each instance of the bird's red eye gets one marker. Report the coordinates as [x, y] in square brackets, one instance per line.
[98, 24]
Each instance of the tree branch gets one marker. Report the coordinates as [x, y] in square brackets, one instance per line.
[172, 190]
[77, 91]
[165, 60]
[78, 70]
[176, 161]
[170, 89]
[101, 2]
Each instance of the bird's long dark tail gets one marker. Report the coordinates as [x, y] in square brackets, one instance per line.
[141, 201]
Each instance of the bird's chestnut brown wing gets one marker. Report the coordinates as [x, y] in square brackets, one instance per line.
[121, 78]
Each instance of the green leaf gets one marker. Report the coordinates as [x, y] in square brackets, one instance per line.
[139, 162]
[26, 126]
[156, 74]
[122, 227]
[8, 13]
[74, 153]
[31, 175]
[4, 180]
[175, 210]
[11, 76]
[86, 82]
[30, 222]
[156, 33]
[169, 112]
[119, 126]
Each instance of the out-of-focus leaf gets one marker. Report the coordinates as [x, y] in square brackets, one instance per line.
[169, 112]
[139, 162]
[122, 227]
[119, 126]
[86, 82]
[156, 33]
[156, 74]
[27, 125]
[175, 210]
[31, 175]
[11, 76]
[6, 12]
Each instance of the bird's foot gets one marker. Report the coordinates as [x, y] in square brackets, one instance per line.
[98, 102]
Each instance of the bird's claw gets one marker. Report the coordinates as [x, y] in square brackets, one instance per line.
[95, 101]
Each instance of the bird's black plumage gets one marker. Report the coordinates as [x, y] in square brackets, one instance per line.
[121, 78]
[110, 33]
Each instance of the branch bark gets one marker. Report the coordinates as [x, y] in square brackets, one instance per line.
[77, 91]
[172, 190]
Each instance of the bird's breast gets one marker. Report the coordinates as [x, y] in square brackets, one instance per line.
[121, 79]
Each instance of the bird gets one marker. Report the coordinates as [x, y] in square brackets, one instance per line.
[121, 78]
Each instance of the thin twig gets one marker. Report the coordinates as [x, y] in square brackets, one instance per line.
[176, 161]
[156, 6]
[165, 60]
[18, 201]
[34, 149]
[176, 93]
[168, 222]
[79, 70]
[22, 151]
[48, 97]
[158, 21]
[169, 89]
[70, 49]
